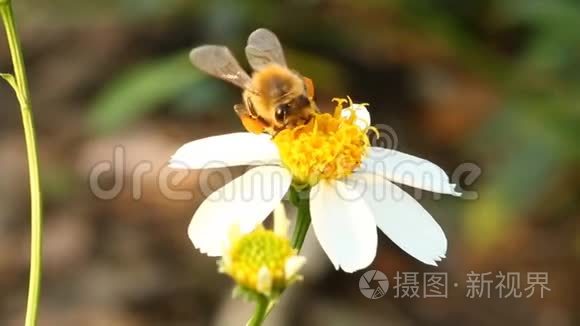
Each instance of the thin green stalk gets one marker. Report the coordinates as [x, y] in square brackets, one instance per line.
[20, 85]
[301, 200]
[302, 221]
[260, 312]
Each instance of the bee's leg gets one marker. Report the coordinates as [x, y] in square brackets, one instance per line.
[251, 124]
[240, 109]
[250, 108]
[309, 87]
[314, 106]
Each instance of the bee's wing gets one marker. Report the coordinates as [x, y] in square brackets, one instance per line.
[264, 48]
[218, 61]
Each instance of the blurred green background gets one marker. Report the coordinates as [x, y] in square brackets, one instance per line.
[483, 86]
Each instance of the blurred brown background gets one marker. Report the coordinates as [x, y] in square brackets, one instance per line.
[489, 85]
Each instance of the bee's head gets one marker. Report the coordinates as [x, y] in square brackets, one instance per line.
[283, 92]
[281, 113]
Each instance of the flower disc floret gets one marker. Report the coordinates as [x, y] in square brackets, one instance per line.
[327, 147]
[258, 261]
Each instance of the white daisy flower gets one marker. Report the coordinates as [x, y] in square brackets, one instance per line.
[353, 188]
[262, 261]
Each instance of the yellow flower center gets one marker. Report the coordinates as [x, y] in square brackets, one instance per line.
[327, 147]
[255, 250]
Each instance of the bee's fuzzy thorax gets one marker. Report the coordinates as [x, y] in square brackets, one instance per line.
[274, 82]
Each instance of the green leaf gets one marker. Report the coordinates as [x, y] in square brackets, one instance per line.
[246, 294]
[140, 90]
[9, 78]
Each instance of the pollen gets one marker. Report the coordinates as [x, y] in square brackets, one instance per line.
[329, 146]
[258, 261]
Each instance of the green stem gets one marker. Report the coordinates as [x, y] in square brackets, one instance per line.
[260, 312]
[21, 89]
[301, 200]
[302, 220]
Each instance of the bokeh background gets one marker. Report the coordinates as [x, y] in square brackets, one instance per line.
[489, 86]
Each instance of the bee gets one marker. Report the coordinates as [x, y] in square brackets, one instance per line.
[275, 97]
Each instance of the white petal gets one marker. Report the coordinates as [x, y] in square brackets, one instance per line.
[241, 148]
[245, 201]
[264, 281]
[234, 234]
[344, 225]
[281, 221]
[363, 117]
[292, 266]
[408, 170]
[403, 219]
